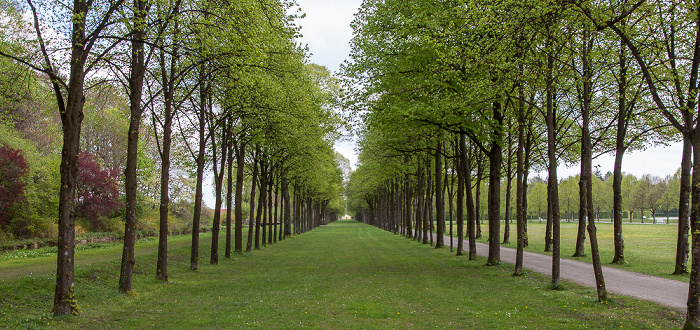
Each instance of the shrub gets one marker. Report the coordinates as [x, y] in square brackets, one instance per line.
[114, 225]
[13, 169]
[97, 195]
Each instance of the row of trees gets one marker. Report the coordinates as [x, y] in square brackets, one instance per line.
[491, 91]
[220, 85]
[647, 193]
[651, 194]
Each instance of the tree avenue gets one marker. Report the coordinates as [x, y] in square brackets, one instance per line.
[124, 109]
[194, 86]
[565, 81]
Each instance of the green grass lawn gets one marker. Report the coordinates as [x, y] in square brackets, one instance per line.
[345, 275]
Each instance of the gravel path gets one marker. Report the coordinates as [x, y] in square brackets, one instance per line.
[667, 292]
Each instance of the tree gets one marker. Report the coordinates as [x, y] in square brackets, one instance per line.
[537, 199]
[655, 196]
[97, 195]
[639, 196]
[13, 169]
[137, 74]
[89, 23]
[671, 195]
[601, 196]
[679, 46]
[569, 197]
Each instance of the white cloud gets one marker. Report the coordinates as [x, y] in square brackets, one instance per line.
[327, 32]
[326, 29]
[657, 161]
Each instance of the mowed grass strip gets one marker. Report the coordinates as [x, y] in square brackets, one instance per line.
[649, 248]
[342, 276]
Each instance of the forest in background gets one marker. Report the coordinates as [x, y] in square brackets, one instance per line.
[30, 131]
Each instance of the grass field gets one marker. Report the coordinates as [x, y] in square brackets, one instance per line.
[343, 276]
[649, 248]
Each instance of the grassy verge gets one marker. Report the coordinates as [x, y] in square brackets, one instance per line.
[345, 275]
[43, 261]
[649, 249]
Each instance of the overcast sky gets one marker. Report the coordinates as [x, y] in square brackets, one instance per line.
[326, 30]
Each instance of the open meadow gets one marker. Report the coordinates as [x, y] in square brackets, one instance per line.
[649, 248]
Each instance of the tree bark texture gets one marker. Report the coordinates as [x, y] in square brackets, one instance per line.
[552, 186]
[240, 166]
[251, 217]
[494, 200]
[681, 265]
[136, 78]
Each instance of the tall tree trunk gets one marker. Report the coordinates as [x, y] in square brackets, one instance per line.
[265, 209]
[310, 213]
[277, 193]
[64, 295]
[260, 214]
[552, 187]
[439, 198]
[548, 229]
[526, 174]
[618, 241]
[229, 196]
[506, 229]
[419, 205]
[494, 201]
[296, 211]
[586, 184]
[71, 114]
[287, 206]
[218, 185]
[509, 185]
[460, 193]
[396, 201]
[520, 196]
[407, 202]
[296, 207]
[70, 110]
[681, 266]
[623, 117]
[471, 213]
[579, 248]
[240, 164]
[477, 196]
[162, 263]
[136, 78]
[450, 182]
[270, 223]
[168, 82]
[693, 311]
[194, 253]
[251, 218]
[428, 229]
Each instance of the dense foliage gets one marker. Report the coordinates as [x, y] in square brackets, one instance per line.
[13, 170]
[97, 195]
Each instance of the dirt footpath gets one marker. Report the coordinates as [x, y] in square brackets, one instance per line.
[671, 293]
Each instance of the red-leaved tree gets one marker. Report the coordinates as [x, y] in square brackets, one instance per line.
[13, 168]
[97, 195]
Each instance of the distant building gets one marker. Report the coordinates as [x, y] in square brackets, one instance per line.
[345, 217]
